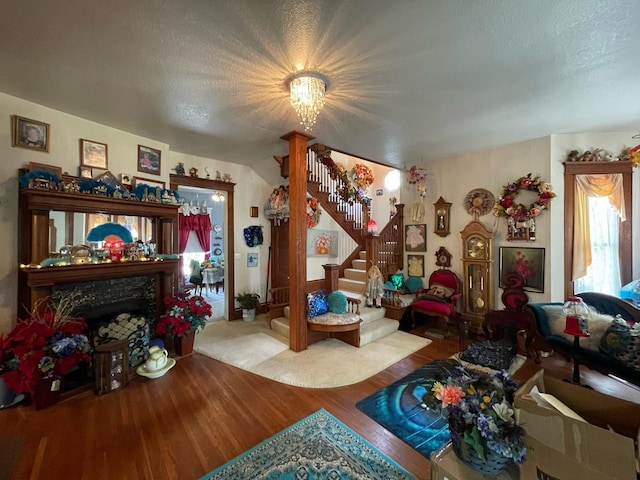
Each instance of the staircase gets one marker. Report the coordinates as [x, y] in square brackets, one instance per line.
[375, 324]
[352, 214]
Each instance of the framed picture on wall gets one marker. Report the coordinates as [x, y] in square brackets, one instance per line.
[152, 183]
[148, 160]
[252, 259]
[322, 243]
[415, 238]
[31, 134]
[93, 154]
[416, 265]
[527, 262]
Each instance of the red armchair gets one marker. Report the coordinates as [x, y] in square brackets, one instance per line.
[440, 299]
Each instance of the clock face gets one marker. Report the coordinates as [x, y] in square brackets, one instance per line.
[476, 247]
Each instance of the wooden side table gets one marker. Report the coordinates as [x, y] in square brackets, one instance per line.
[445, 465]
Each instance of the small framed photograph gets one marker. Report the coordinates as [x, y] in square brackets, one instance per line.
[85, 172]
[31, 134]
[125, 179]
[252, 259]
[379, 192]
[527, 262]
[110, 179]
[416, 265]
[152, 183]
[148, 160]
[93, 154]
[415, 238]
[42, 167]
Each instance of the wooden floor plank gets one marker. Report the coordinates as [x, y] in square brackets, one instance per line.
[204, 413]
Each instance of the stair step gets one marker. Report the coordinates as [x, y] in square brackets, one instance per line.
[351, 285]
[281, 325]
[355, 274]
[359, 265]
[363, 254]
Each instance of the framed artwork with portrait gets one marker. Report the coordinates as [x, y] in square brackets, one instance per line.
[252, 259]
[148, 160]
[415, 238]
[31, 134]
[527, 262]
[93, 154]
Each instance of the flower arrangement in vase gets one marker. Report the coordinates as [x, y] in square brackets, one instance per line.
[479, 408]
[43, 345]
[186, 315]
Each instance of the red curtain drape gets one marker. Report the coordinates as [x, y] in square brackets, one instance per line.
[201, 224]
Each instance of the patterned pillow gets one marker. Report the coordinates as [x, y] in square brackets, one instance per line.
[438, 290]
[622, 342]
[337, 302]
[317, 303]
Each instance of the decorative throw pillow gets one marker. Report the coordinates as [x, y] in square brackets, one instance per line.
[441, 291]
[413, 284]
[490, 353]
[337, 302]
[396, 279]
[390, 285]
[622, 342]
[317, 303]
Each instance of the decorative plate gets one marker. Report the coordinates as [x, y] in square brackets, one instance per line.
[217, 227]
[217, 251]
[479, 201]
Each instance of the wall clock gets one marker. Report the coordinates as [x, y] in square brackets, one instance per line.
[443, 258]
[441, 223]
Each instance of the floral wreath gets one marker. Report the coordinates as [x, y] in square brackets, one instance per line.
[508, 208]
[313, 212]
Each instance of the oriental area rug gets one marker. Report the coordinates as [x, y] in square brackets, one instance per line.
[255, 347]
[318, 446]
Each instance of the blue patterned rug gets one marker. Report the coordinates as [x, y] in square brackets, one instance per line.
[397, 408]
[318, 446]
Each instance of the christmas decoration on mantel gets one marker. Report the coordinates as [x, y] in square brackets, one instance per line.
[521, 223]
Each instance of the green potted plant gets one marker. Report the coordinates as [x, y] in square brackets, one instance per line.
[248, 301]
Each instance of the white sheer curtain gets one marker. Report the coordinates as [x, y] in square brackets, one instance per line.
[603, 275]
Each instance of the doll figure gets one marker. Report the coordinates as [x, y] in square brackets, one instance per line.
[374, 288]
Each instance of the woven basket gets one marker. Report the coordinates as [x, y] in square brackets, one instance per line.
[492, 465]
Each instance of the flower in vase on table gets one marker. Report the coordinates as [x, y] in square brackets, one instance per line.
[42, 345]
[479, 406]
[185, 315]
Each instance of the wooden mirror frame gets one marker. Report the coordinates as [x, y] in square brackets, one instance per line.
[175, 181]
[571, 169]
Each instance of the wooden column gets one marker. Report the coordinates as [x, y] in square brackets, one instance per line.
[331, 275]
[297, 238]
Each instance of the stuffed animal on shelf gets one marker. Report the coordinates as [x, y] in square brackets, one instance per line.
[374, 289]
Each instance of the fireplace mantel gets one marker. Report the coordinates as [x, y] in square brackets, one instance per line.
[36, 284]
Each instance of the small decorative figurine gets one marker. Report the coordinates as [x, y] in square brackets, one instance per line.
[180, 169]
[193, 171]
[374, 289]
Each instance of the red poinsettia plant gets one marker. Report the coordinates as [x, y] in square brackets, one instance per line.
[185, 314]
[43, 344]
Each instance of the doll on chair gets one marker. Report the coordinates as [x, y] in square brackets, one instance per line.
[374, 289]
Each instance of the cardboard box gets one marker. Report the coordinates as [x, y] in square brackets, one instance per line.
[561, 448]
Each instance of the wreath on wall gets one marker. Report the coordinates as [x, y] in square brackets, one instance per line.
[507, 207]
[313, 212]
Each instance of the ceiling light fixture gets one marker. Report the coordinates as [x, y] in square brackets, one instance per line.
[306, 91]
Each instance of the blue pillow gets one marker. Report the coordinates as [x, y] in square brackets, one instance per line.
[396, 279]
[390, 285]
[337, 302]
[317, 303]
[414, 284]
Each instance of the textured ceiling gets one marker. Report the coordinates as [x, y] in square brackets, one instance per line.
[410, 81]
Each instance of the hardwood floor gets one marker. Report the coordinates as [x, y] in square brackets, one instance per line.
[203, 413]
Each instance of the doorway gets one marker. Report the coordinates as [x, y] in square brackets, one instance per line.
[206, 190]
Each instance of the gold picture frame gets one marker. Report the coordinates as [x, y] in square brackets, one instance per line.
[94, 154]
[30, 134]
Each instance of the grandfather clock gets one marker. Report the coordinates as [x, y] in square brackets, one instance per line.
[477, 278]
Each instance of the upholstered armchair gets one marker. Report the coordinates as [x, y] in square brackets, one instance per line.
[439, 299]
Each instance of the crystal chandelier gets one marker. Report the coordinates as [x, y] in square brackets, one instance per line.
[306, 91]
